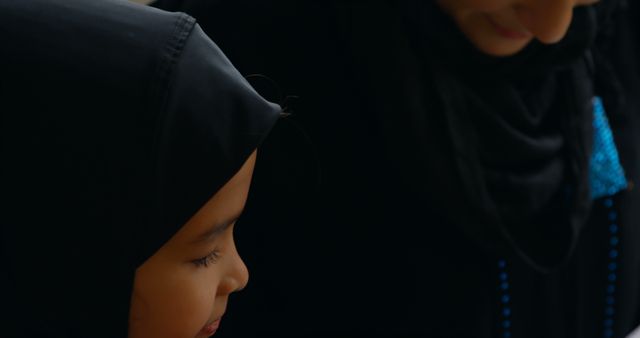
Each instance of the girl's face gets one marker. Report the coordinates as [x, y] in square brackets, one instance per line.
[182, 290]
[504, 27]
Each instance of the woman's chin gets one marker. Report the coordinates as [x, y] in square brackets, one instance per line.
[502, 49]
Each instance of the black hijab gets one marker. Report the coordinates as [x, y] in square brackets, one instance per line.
[508, 139]
[118, 122]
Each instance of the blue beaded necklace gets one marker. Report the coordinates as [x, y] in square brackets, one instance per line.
[505, 298]
[612, 268]
[606, 178]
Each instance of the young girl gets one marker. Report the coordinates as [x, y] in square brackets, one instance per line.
[457, 141]
[128, 146]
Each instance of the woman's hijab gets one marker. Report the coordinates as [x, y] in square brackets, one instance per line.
[118, 122]
[517, 132]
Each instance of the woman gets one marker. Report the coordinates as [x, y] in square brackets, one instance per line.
[454, 139]
[128, 145]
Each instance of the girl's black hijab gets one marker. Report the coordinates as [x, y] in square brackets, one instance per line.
[504, 146]
[118, 122]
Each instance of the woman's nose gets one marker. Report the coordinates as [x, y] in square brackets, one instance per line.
[547, 20]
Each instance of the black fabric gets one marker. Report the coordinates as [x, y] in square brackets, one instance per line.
[521, 137]
[118, 122]
[435, 162]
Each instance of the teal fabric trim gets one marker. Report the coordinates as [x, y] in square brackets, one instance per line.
[606, 175]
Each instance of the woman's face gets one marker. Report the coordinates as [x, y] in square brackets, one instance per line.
[182, 290]
[505, 27]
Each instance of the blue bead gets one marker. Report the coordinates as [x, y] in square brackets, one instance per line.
[611, 288]
[506, 334]
[612, 277]
[613, 228]
[502, 264]
[505, 299]
[504, 286]
[610, 300]
[609, 311]
[613, 216]
[608, 333]
[614, 241]
[506, 324]
[503, 276]
[608, 202]
[613, 253]
[506, 312]
[613, 266]
[608, 322]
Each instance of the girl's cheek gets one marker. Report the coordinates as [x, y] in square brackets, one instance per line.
[173, 303]
[199, 296]
[187, 308]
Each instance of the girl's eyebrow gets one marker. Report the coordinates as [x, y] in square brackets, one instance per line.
[217, 229]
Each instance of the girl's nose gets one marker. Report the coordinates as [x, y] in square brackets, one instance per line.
[237, 274]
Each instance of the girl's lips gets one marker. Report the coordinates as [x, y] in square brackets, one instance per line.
[507, 33]
[210, 329]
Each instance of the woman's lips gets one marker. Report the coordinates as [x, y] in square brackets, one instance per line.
[210, 329]
[508, 33]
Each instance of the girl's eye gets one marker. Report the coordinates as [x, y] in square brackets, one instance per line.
[208, 259]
